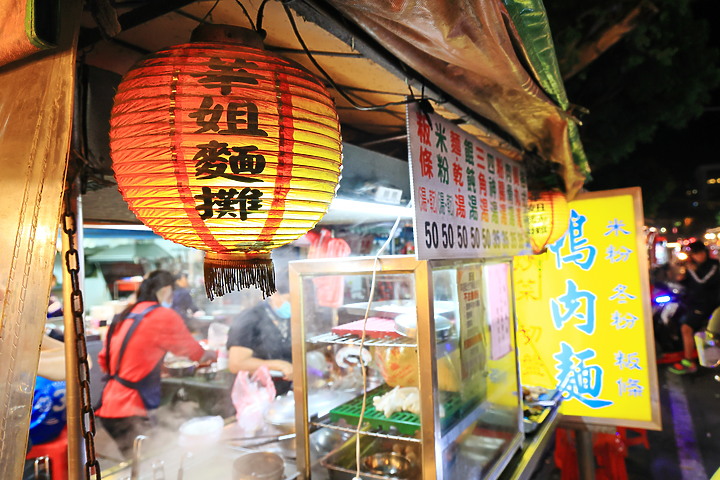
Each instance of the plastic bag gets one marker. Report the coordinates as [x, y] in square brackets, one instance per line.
[217, 335]
[399, 368]
[47, 419]
[251, 397]
[329, 291]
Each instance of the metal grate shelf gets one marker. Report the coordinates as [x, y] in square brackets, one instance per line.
[350, 339]
[371, 433]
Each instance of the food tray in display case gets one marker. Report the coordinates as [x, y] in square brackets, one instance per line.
[451, 349]
[379, 460]
[406, 423]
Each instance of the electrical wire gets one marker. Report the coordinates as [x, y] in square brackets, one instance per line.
[310, 56]
[210, 11]
[247, 15]
[260, 15]
[257, 26]
[371, 296]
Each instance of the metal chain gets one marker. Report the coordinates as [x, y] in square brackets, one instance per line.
[72, 263]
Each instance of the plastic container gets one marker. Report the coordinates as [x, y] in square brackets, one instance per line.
[708, 348]
[217, 335]
[222, 359]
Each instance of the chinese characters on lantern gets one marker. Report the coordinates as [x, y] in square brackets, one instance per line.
[224, 147]
[586, 303]
[470, 201]
[219, 114]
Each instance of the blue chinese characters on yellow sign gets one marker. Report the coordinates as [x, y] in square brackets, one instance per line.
[583, 314]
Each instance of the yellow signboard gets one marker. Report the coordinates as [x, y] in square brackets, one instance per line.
[584, 321]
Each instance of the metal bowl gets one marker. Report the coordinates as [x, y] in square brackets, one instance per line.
[327, 440]
[181, 368]
[281, 413]
[389, 464]
[258, 466]
[208, 373]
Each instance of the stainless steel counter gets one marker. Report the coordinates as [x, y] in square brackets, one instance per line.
[523, 464]
[210, 461]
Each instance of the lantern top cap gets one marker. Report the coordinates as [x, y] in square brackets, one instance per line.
[227, 34]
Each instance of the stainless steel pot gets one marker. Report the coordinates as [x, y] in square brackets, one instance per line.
[181, 368]
[281, 416]
[281, 413]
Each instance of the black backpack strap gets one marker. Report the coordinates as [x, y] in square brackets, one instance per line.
[136, 317]
[111, 331]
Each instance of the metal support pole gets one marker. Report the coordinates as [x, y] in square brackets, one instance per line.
[76, 443]
[586, 459]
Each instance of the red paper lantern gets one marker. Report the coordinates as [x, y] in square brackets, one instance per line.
[548, 218]
[225, 147]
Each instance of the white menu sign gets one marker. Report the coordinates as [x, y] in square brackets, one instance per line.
[497, 278]
[470, 201]
[473, 356]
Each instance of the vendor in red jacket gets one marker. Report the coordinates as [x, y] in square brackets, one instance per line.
[132, 358]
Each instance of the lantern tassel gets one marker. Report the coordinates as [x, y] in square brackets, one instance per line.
[228, 273]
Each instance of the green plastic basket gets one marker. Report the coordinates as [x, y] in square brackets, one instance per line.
[406, 423]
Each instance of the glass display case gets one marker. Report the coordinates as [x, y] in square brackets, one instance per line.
[436, 368]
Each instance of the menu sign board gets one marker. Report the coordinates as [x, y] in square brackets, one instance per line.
[470, 201]
[584, 321]
[472, 345]
[498, 299]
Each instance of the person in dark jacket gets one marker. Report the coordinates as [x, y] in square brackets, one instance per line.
[261, 335]
[182, 301]
[702, 295]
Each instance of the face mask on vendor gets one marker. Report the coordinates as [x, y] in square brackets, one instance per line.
[283, 311]
[165, 295]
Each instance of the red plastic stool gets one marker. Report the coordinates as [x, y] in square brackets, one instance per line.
[565, 454]
[57, 451]
[610, 452]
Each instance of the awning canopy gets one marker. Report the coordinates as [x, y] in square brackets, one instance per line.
[131, 252]
[499, 61]
[490, 64]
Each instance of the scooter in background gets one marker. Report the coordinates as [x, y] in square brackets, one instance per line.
[667, 309]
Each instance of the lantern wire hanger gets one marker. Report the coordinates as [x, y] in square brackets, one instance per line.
[252, 24]
[350, 100]
[257, 25]
[211, 10]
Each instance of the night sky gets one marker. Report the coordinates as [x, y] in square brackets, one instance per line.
[675, 153]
